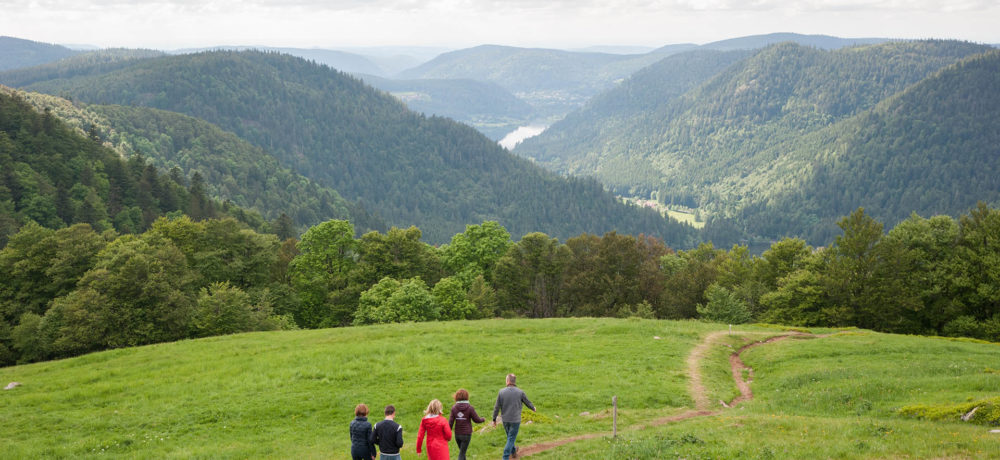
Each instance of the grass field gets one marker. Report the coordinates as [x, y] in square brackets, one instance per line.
[834, 397]
[292, 394]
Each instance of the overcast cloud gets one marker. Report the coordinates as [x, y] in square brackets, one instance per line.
[169, 24]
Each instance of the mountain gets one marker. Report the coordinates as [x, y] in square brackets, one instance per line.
[485, 106]
[340, 60]
[567, 145]
[16, 53]
[931, 149]
[232, 168]
[55, 177]
[552, 81]
[395, 59]
[81, 64]
[408, 168]
[557, 81]
[824, 42]
[716, 147]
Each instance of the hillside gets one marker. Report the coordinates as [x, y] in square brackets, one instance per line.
[931, 149]
[407, 168]
[341, 60]
[81, 64]
[824, 42]
[485, 106]
[715, 147]
[552, 81]
[277, 394]
[232, 168]
[56, 177]
[16, 53]
[555, 82]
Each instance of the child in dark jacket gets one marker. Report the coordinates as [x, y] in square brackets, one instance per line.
[361, 446]
[462, 416]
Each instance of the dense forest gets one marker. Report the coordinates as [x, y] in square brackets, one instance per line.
[54, 177]
[74, 290]
[735, 142]
[405, 167]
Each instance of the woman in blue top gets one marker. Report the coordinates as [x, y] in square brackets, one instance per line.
[361, 446]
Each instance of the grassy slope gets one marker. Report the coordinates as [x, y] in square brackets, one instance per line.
[835, 397]
[292, 394]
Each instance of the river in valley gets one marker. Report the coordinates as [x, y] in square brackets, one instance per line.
[516, 136]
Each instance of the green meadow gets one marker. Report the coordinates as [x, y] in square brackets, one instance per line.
[291, 394]
[840, 396]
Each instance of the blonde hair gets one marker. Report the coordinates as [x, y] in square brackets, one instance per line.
[434, 408]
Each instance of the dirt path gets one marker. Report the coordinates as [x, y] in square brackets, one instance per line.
[696, 387]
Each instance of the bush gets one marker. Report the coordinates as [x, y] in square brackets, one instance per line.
[723, 306]
[391, 301]
[964, 326]
[450, 295]
[224, 309]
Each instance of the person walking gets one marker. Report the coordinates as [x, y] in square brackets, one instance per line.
[508, 403]
[388, 435]
[460, 420]
[361, 430]
[435, 427]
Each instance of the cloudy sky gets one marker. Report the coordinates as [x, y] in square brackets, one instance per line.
[170, 24]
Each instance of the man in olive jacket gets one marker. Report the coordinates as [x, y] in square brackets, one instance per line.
[508, 403]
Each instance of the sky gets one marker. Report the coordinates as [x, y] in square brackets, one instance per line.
[175, 24]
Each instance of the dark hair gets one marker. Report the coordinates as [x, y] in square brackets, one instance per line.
[390, 409]
[461, 395]
[361, 410]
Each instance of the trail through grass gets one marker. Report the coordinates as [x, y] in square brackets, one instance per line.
[292, 394]
[837, 397]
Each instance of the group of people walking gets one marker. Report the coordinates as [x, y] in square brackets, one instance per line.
[387, 435]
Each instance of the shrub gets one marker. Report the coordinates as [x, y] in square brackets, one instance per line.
[723, 306]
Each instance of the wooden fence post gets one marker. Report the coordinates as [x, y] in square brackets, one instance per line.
[614, 417]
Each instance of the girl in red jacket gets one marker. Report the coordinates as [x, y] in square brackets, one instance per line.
[438, 433]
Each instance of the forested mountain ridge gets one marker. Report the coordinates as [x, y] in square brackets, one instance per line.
[232, 168]
[55, 177]
[642, 96]
[16, 53]
[552, 81]
[407, 168]
[82, 64]
[931, 149]
[721, 147]
[341, 60]
[825, 42]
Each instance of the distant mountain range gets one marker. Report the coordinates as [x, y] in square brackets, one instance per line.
[407, 168]
[16, 53]
[552, 82]
[770, 140]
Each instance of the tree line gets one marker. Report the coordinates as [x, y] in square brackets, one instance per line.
[75, 290]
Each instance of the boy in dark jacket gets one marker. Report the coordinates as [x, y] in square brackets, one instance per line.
[361, 431]
[388, 435]
[462, 416]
